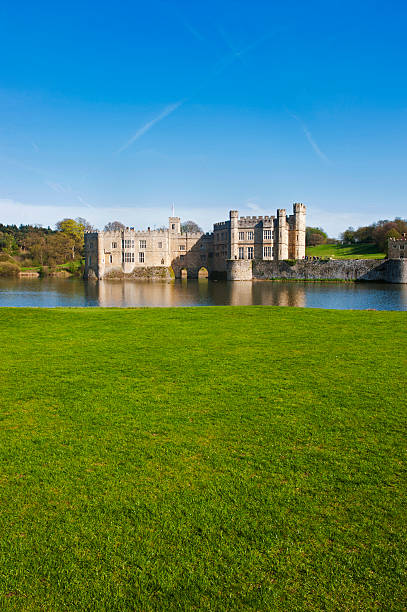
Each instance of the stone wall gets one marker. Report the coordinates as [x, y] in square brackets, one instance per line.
[146, 273]
[239, 269]
[390, 270]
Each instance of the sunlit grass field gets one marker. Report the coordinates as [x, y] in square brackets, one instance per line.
[220, 458]
[346, 251]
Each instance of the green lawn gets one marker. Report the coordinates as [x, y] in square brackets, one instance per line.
[221, 458]
[347, 251]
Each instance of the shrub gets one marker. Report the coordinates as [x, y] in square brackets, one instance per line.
[8, 269]
[6, 257]
[291, 262]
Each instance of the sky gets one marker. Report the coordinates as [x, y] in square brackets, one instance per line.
[117, 111]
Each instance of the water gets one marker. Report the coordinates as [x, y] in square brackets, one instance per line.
[55, 292]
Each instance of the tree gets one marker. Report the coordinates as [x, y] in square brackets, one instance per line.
[7, 243]
[364, 234]
[190, 227]
[348, 236]
[75, 229]
[114, 226]
[315, 235]
[87, 225]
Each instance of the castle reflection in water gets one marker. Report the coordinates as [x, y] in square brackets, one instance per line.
[53, 292]
[195, 293]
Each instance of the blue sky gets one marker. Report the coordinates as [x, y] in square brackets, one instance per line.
[115, 110]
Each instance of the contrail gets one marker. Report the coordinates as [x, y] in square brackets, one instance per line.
[311, 140]
[219, 67]
[82, 201]
[314, 144]
[168, 110]
[194, 32]
[237, 54]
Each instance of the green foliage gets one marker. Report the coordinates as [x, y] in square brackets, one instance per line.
[291, 262]
[221, 458]
[6, 257]
[9, 269]
[315, 236]
[7, 243]
[71, 227]
[345, 251]
[377, 233]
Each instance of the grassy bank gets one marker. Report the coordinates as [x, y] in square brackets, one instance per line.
[222, 458]
[346, 251]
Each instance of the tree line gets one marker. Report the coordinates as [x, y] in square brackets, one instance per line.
[377, 233]
[33, 245]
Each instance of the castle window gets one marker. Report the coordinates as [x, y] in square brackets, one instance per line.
[160, 245]
[249, 235]
[173, 226]
[182, 257]
[128, 257]
[241, 252]
[143, 244]
[182, 247]
[203, 257]
[267, 251]
[127, 244]
[267, 234]
[141, 257]
[249, 252]
[110, 258]
[241, 237]
[114, 245]
[90, 260]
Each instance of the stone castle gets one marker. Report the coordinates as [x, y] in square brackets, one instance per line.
[234, 243]
[397, 247]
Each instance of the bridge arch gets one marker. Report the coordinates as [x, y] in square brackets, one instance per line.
[203, 272]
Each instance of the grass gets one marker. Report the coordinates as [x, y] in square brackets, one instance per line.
[346, 251]
[221, 458]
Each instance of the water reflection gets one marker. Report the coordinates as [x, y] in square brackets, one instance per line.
[75, 292]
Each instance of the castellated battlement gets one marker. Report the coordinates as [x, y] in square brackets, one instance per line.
[222, 225]
[253, 218]
[192, 234]
[258, 219]
[402, 239]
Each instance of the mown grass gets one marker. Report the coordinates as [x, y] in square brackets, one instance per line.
[221, 458]
[346, 251]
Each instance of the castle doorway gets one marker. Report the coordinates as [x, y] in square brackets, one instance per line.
[203, 273]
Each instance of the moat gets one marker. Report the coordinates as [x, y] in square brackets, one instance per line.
[54, 292]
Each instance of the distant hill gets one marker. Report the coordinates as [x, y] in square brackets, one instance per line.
[346, 251]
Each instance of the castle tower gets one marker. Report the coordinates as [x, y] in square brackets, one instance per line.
[299, 230]
[282, 244]
[101, 255]
[174, 225]
[234, 234]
